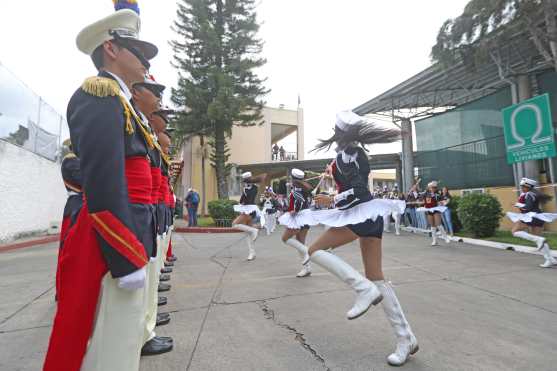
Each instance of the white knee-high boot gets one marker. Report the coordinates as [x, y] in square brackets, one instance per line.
[367, 292]
[252, 236]
[268, 224]
[387, 223]
[396, 217]
[406, 343]
[539, 240]
[433, 236]
[444, 233]
[550, 261]
[303, 251]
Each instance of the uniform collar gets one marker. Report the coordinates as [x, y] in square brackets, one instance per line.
[127, 93]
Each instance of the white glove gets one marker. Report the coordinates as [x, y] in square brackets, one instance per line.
[133, 281]
[152, 259]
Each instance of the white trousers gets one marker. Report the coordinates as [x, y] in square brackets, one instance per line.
[118, 331]
[151, 296]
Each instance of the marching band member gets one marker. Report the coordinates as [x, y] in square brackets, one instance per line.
[531, 217]
[433, 207]
[71, 175]
[298, 219]
[357, 216]
[248, 210]
[99, 319]
[147, 95]
[270, 207]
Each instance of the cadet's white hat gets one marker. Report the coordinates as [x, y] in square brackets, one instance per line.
[122, 25]
[347, 118]
[433, 184]
[529, 182]
[246, 175]
[297, 174]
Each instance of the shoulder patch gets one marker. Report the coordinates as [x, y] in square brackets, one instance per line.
[101, 87]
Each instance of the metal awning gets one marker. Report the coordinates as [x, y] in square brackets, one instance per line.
[437, 89]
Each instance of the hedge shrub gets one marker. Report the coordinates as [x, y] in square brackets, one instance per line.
[222, 209]
[480, 214]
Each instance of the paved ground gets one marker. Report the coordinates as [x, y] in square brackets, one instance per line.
[472, 308]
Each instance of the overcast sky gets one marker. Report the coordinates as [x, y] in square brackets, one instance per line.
[336, 54]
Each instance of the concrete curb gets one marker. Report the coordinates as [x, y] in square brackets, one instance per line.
[206, 230]
[30, 243]
[493, 244]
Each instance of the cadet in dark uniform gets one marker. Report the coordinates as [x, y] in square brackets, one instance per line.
[147, 96]
[357, 216]
[71, 175]
[98, 323]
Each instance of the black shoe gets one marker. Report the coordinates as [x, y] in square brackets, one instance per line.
[166, 270]
[164, 287]
[163, 319]
[168, 264]
[172, 258]
[162, 300]
[157, 345]
[164, 277]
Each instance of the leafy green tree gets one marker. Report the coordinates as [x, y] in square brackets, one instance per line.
[486, 26]
[216, 53]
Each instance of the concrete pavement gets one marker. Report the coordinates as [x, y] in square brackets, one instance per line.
[472, 308]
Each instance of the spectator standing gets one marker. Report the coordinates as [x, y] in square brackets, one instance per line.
[412, 201]
[282, 153]
[192, 204]
[275, 152]
[447, 220]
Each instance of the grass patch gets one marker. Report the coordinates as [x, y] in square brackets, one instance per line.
[507, 237]
[205, 221]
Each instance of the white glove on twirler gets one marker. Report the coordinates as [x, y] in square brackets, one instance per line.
[133, 281]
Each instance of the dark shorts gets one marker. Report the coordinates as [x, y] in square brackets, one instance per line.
[535, 223]
[252, 215]
[369, 228]
[433, 212]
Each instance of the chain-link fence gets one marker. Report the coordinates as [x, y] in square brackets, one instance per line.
[27, 121]
[481, 163]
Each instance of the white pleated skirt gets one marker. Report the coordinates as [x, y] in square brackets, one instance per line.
[527, 217]
[440, 209]
[298, 220]
[354, 215]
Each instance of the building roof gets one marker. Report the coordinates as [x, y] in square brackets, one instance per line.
[437, 89]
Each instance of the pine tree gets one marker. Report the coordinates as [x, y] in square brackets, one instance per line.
[216, 53]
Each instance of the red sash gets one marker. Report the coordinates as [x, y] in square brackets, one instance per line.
[156, 176]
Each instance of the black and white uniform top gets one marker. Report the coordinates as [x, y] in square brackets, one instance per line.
[298, 214]
[530, 211]
[269, 205]
[248, 204]
[432, 202]
[355, 207]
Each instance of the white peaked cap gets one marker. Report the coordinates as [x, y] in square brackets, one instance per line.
[246, 175]
[433, 184]
[125, 23]
[528, 182]
[347, 118]
[298, 174]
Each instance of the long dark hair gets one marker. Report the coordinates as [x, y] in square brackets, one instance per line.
[364, 134]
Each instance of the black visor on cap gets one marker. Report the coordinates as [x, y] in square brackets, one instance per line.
[128, 45]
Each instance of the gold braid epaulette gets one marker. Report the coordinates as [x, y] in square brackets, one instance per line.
[69, 155]
[103, 87]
